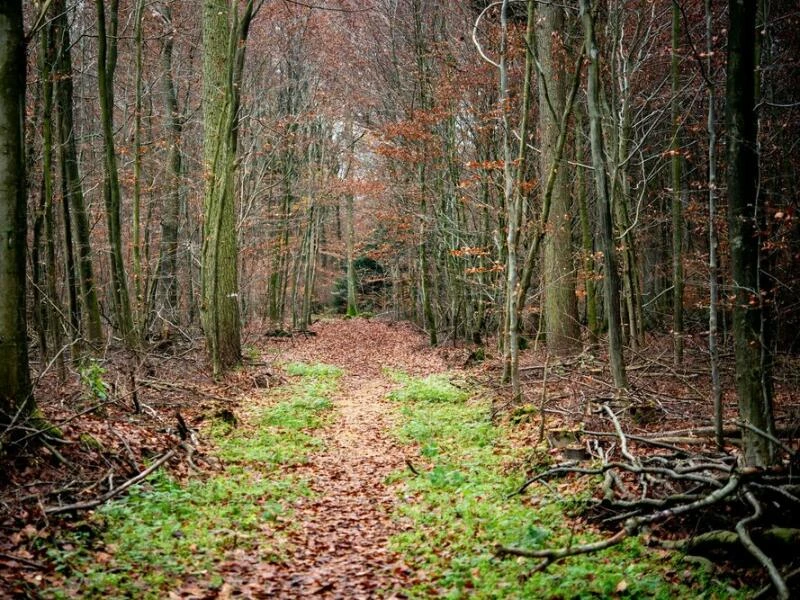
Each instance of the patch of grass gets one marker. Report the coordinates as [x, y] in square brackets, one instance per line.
[460, 513]
[164, 532]
[434, 388]
[283, 433]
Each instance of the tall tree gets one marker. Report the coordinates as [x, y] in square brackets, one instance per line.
[610, 275]
[677, 209]
[75, 216]
[166, 284]
[106, 67]
[15, 387]
[745, 209]
[224, 39]
[560, 302]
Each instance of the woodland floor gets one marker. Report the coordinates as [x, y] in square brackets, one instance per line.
[338, 538]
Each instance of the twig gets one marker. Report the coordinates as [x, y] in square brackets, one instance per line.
[50, 510]
[556, 553]
[766, 436]
[758, 553]
[30, 563]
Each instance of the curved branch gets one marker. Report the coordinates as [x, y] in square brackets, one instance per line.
[744, 536]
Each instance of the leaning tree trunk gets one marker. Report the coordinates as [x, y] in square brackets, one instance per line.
[16, 401]
[610, 275]
[744, 210]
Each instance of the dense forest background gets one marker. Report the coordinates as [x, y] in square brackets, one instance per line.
[465, 165]
[599, 186]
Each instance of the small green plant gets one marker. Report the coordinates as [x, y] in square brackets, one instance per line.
[251, 353]
[165, 532]
[434, 388]
[92, 375]
[315, 371]
[460, 512]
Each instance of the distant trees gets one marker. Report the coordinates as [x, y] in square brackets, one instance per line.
[502, 193]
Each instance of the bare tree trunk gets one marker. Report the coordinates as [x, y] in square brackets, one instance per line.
[51, 321]
[139, 285]
[166, 285]
[610, 276]
[224, 39]
[106, 65]
[560, 303]
[677, 210]
[713, 242]
[16, 400]
[71, 186]
[745, 208]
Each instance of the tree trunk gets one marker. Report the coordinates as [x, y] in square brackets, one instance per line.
[560, 303]
[587, 247]
[106, 66]
[610, 276]
[138, 279]
[744, 211]
[71, 186]
[677, 209]
[16, 401]
[49, 305]
[713, 263]
[166, 285]
[224, 40]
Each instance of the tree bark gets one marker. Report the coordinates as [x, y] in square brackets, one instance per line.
[610, 275]
[560, 302]
[166, 285]
[16, 401]
[75, 216]
[224, 41]
[677, 209]
[744, 210]
[106, 65]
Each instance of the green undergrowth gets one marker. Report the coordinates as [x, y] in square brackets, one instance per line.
[165, 532]
[460, 512]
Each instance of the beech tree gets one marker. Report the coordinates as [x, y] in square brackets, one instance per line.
[745, 213]
[224, 38]
[16, 400]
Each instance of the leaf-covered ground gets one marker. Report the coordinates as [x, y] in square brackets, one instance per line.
[374, 470]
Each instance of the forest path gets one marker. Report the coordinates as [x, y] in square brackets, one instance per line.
[339, 547]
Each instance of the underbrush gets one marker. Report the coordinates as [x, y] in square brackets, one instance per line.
[165, 533]
[460, 512]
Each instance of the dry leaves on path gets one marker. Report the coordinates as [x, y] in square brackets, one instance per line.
[339, 548]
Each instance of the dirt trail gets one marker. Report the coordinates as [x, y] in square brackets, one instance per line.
[341, 549]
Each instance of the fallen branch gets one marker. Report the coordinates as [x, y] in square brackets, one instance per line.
[51, 510]
[747, 541]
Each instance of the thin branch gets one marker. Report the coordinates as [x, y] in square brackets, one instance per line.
[741, 528]
[51, 510]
